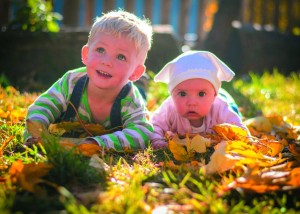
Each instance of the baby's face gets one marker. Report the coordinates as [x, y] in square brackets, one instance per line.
[193, 99]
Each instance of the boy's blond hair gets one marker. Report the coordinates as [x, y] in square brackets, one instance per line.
[124, 23]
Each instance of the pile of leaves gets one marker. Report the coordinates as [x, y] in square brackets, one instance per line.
[226, 172]
[256, 160]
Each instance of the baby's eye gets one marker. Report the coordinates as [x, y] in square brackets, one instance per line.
[100, 50]
[202, 94]
[121, 57]
[181, 93]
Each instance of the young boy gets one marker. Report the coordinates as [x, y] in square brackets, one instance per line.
[114, 57]
[195, 106]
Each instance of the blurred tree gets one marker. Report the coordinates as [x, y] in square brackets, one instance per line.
[35, 15]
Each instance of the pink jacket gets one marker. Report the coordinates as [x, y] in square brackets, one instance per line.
[166, 118]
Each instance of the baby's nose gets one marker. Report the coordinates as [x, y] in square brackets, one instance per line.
[192, 102]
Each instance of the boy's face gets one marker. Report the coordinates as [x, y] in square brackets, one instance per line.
[193, 99]
[111, 61]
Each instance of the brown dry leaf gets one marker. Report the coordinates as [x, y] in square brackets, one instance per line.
[294, 178]
[4, 144]
[68, 141]
[89, 149]
[231, 132]
[258, 188]
[76, 127]
[286, 131]
[275, 146]
[29, 175]
[261, 181]
[295, 150]
[35, 128]
[276, 120]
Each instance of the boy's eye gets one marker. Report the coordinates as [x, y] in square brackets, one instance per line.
[100, 50]
[202, 94]
[121, 57]
[181, 93]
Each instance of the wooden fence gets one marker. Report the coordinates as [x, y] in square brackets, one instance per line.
[189, 19]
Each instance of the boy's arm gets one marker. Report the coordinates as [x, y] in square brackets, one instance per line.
[137, 130]
[47, 108]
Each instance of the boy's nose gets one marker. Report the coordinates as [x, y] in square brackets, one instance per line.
[106, 60]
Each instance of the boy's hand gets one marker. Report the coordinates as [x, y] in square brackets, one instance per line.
[31, 141]
[89, 141]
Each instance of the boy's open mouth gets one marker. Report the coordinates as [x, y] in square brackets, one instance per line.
[104, 74]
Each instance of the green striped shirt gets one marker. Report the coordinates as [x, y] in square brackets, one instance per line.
[47, 108]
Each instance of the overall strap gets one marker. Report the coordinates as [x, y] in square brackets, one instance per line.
[115, 113]
[75, 98]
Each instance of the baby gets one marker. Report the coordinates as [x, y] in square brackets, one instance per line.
[195, 106]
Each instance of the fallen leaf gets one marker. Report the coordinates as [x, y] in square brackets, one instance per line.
[28, 175]
[295, 150]
[179, 152]
[259, 123]
[294, 177]
[231, 132]
[220, 161]
[197, 144]
[35, 128]
[89, 149]
[76, 129]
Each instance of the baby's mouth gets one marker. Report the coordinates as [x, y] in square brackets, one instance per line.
[104, 74]
[191, 113]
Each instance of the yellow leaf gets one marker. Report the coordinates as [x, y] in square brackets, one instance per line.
[178, 150]
[220, 161]
[199, 144]
[231, 132]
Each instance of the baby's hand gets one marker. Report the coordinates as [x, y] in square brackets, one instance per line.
[159, 144]
[169, 134]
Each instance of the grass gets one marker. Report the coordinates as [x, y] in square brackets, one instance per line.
[132, 183]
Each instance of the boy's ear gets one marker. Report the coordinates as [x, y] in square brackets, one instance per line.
[140, 69]
[84, 54]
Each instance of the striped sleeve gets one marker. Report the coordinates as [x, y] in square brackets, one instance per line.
[47, 108]
[136, 131]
